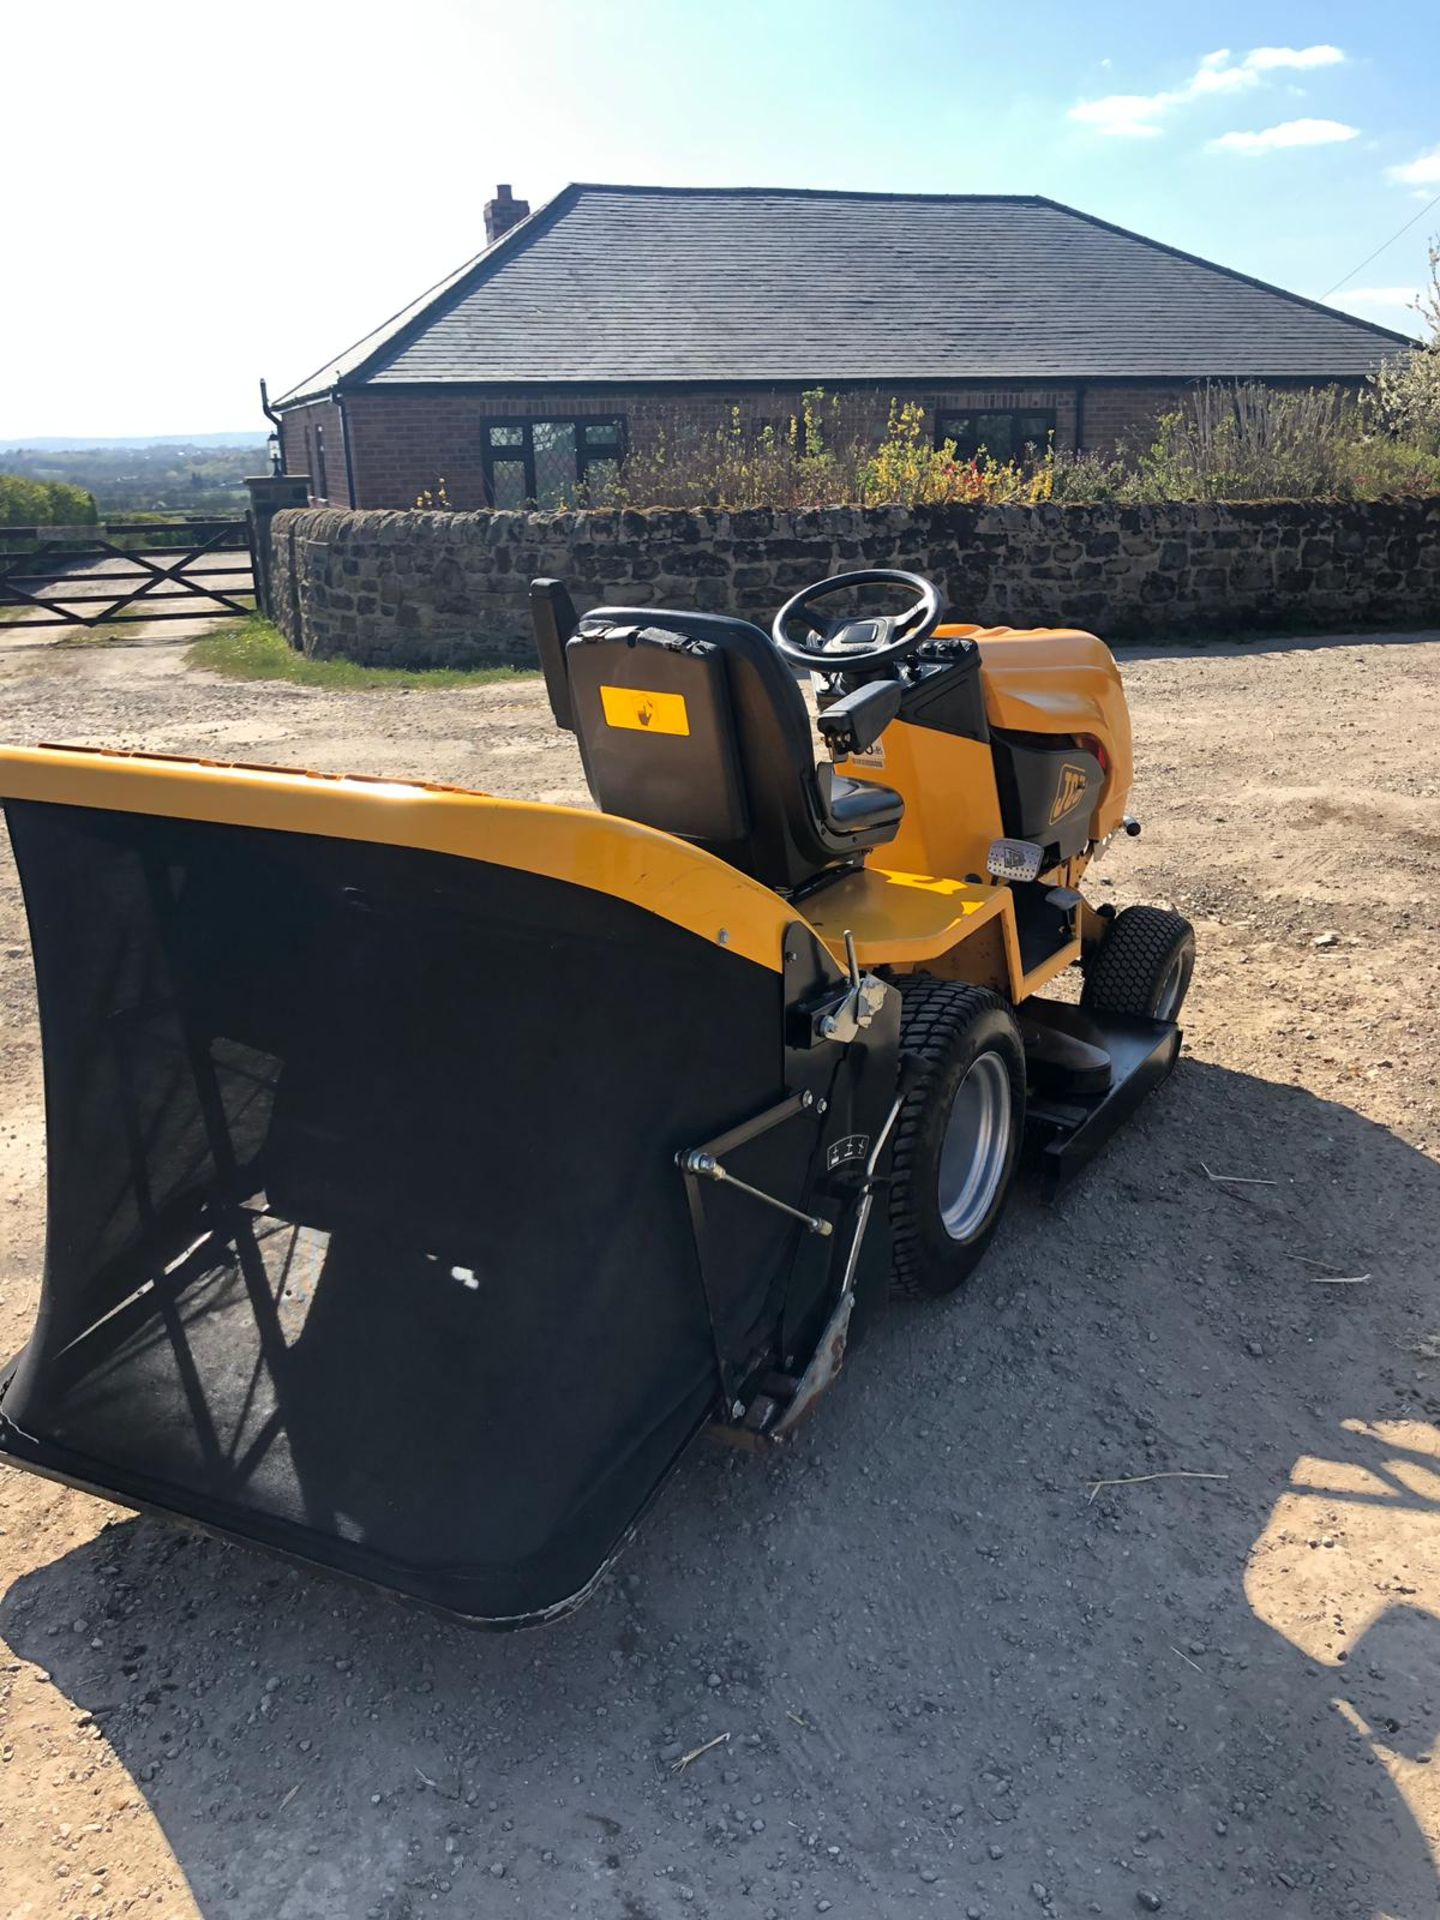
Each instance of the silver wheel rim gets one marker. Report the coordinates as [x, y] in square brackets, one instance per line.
[976, 1147]
[1168, 1000]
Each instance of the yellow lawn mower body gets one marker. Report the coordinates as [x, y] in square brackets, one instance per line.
[428, 1169]
[920, 900]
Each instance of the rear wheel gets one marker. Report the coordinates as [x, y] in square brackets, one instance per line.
[958, 1136]
[1142, 966]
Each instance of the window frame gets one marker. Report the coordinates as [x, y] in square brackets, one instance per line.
[523, 455]
[1014, 414]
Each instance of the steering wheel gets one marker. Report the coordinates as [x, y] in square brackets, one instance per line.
[870, 642]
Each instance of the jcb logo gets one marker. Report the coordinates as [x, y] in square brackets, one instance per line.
[1070, 793]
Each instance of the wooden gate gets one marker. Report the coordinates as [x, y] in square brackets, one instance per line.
[123, 571]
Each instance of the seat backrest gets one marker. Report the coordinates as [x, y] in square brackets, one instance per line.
[652, 711]
[692, 723]
[552, 616]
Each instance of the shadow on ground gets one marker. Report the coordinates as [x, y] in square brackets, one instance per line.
[954, 1676]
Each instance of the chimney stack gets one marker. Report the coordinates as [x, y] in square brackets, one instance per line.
[502, 213]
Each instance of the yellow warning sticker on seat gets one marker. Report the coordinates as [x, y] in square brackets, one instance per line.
[644, 712]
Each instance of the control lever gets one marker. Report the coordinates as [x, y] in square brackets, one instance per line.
[829, 1354]
[854, 722]
[864, 998]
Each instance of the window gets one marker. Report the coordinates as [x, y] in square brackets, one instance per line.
[543, 462]
[1003, 435]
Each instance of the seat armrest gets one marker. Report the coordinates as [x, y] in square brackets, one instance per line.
[856, 721]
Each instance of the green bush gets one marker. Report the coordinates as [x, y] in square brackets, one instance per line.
[1227, 441]
[812, 460]
[70, 506]
[44, 503]
[23, 503]
[1250, 442]
[1245, 441]
[828, 454]
[1090, 478]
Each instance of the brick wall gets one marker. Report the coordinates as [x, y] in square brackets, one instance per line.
[306, 433]
[435, 589]
[1117, 416]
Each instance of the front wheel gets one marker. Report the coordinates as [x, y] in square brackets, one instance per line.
[1142, 966]
[957, 1140]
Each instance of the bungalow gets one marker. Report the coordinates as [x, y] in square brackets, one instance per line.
[585, 326]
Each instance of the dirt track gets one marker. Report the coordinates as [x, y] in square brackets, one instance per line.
[955, 1681]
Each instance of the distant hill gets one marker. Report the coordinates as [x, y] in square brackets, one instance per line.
[53, 444]
[206, 475]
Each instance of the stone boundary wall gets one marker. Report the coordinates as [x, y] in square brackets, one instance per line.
[448, 589]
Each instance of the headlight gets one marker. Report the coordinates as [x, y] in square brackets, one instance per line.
[1014, 860]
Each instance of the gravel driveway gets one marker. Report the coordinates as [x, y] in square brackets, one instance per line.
[967, 1648]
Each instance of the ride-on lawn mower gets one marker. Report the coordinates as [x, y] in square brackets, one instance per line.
[426, 1170]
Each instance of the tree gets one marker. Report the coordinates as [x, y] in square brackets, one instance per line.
[43, 503]
[1407, 388]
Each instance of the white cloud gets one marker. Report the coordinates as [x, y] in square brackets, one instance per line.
[1140, 115]
[1290, 133]
[1267, 59]
[1216, 75]
[1123, 114]
[1422, 171]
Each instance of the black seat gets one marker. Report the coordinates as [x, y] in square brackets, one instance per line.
[691, 722]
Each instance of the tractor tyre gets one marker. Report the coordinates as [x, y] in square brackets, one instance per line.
[958, 1136]
[1142, 966]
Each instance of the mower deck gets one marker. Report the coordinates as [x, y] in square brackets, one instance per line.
[1071, 1117]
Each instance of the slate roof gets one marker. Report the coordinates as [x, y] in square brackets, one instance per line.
[638, 284]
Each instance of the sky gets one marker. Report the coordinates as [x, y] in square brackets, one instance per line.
[237, 192]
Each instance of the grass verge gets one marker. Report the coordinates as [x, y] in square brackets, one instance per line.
[253, 649]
